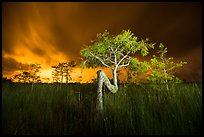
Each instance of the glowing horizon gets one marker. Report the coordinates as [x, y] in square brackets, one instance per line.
[86, 74]
[49, 33]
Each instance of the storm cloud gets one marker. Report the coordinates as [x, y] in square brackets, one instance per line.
[51, 32]
[10, 65]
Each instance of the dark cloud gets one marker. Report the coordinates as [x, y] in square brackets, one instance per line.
[10, 65]
[193, 69]
[46, 29]
[177, 25]
[14, 24]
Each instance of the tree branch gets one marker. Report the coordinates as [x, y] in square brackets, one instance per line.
[171, 68]
[123, 58]
[117, 48]
[111, 49]
[124, 65]
[109, 59]
[100, 60]
[115, 59]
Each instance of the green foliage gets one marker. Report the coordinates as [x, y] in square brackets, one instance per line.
[139, 67]
[163, 68]
[134, 63]
[137, 71]
[107, 47]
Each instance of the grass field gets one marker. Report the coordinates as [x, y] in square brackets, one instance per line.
[70, 110]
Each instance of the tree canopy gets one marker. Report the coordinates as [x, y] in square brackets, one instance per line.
[163, 68]
[114, 51]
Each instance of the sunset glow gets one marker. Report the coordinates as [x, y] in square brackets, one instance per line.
[49, 33]
[101, 68]
[46, 74]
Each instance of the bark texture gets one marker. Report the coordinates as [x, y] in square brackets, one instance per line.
[103, 79]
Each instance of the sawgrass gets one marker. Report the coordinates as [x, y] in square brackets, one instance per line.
[69, 109]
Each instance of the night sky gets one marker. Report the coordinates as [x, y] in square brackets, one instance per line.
[49, 33]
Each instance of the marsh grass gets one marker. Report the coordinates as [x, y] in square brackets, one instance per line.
[69, 109]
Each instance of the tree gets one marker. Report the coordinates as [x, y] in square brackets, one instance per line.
[23, 77]
[70, 66]
[163, 68]
[62, 71]
[55, 74]
[29, 76]
[34, 70]
[6, 80]
[112, 52]
[59, 72]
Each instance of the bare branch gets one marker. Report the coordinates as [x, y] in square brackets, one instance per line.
[171, 68]
[117, 48]
[115, 60]
[112, 50]
[100, 60]
[107, 59]
[125, 65]
[84, 62]
[123, 58]
[111, 61]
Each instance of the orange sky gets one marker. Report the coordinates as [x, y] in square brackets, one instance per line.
[49, 33]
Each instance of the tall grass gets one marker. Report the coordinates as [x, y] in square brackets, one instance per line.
[70, 109]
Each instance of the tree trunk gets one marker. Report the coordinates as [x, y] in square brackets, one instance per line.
[32, 86]
[62, 78]
[167, 86]
[115, 82]
[102, 78]
[99, 103]
[67, 76]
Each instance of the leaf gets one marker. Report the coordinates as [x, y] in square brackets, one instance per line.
[151, 45]
[161, 46]
[105, 45]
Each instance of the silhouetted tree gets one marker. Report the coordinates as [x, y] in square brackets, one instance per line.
[23, 77]
[35, 72]
[62, 71]
[69, 70]
[29, 76]
[55, 74]
[5, 80]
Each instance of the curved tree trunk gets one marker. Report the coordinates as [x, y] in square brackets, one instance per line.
[102, 78]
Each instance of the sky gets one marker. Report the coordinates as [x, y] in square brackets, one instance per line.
[51, 32]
